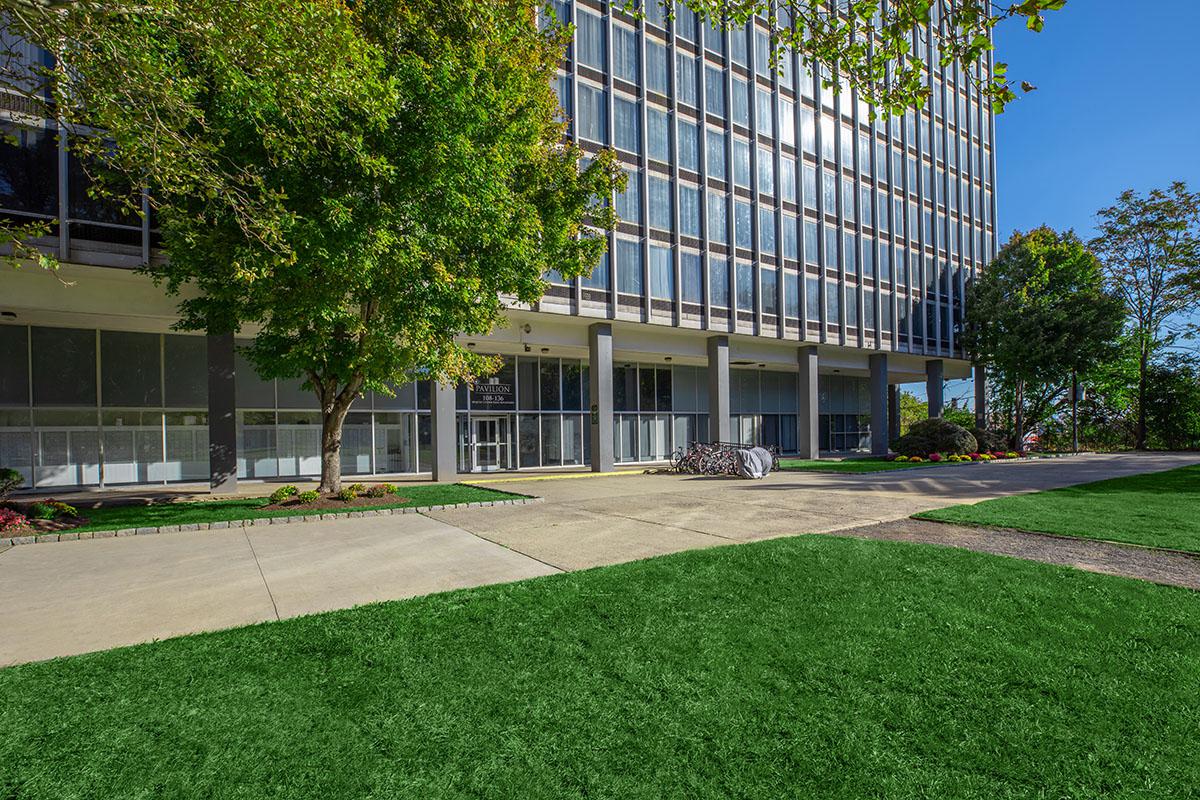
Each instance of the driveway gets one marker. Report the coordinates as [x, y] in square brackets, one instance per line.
[74, 597]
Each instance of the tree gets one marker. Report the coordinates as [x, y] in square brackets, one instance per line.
[1173, 402]
[1039, 313]
[1150, 250]
[912, 411]
[880, 50]
[432, 181]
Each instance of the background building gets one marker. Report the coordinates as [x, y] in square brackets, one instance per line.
[783, 261]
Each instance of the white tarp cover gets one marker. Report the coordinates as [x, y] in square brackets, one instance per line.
[754, 462]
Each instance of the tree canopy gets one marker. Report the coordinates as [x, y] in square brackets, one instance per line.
[1039, 313]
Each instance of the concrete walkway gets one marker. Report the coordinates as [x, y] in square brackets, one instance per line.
[74, 597]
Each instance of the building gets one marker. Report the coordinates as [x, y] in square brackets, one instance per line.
[783, 262]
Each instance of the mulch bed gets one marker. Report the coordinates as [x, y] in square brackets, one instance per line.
[328, 503]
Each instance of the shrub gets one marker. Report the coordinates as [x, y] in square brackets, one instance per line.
[61, 509]
[916, 459]
[357, 488]
[900, 458]
[311, 496]
[1011, 454]
[9, 479]
[378, 490]
[390, 488]
[989, 440]
[12, 521]
[347, 493]
[935, 457]
[40, 511]
[935, 435]
[283, 493]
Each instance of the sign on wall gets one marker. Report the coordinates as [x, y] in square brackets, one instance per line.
[493, 394]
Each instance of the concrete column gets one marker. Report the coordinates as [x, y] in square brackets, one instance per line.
[718, 389]
[981, 397]
[222, 415]
[933, 386]
[445, 430]
[879, 404]
[893, 412]
[600, 394]
[809, 439]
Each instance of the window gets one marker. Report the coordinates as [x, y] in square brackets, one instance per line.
[791, 237]
[689, 210]
[812, 298]
[714, 91]
[656, 65]
[851, 307]
[766, 230]
[810, 242]
[830, 191]
[849, 251]
[626, 54]
[662, 273]
[791, 295]
[741, 102]
[689, 145]
[762, 111]
[787, 179]
[743, 236]
[831, 247]
[738, 49]
[692, 288]
[718, 218]
[810, 186]
[685, 22]
[685, 71]
[766, 171]
[762, 53]
[787, 121]
[626, 131]
[592, 47]
[718, 282]
[629, 202]
[660, 203]
[741, 162]
[716, 154]
[658, 142]
[868, 258]
[745, 286]
[770, 289]
[833, 305]
[599, 277]
[629, 266]
[562, 90]
[808, 132]
[847, 199]
[828, 138]
[592, 118]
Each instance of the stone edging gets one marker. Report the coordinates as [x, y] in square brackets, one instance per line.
[70, 536]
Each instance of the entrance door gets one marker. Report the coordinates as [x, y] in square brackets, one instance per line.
[489, 443]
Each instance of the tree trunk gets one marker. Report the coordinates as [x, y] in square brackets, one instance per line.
[1019, 414]
[1143, 367]
[332, 418]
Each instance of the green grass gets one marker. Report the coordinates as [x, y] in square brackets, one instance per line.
[853, 465]
[145, 516]
[1160, 509]
[801, 667]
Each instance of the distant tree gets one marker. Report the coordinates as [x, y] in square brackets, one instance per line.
[880, 50]
[1037, 314]
[1173, 402]
[359, 218]
[1150, 250]
[912, 410]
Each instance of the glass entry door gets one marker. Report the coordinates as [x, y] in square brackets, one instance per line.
[489, 443]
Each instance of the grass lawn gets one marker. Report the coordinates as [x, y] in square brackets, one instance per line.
[853, 465]
[1160, 509]
[801, 667]
[145, 516]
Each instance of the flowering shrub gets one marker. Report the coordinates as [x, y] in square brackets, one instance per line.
[900, 458]
[975, 457]
[311, 496]
[916, 459]
[283, 493]
[1011, 454]
[935, 457]
[347, 494]
[11, 521]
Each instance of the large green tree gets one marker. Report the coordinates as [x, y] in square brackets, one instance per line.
[1038, 314]
[1149, 246]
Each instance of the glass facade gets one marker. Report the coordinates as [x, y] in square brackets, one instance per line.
[778, 185]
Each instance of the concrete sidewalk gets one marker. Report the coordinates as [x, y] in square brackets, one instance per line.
[74, 597]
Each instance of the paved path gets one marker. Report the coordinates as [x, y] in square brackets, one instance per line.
[1158, 566]
[73, 597]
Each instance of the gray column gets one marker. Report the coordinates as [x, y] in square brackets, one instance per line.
[600, 395]
[981, 397]
[933, 386]
[893, 412]
[718, 389]
[879, 404]
[222, 415]
[809, 440]
[445, 426]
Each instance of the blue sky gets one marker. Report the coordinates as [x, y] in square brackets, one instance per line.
[1117, 106]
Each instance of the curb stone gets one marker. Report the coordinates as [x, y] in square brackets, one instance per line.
[48, 538]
